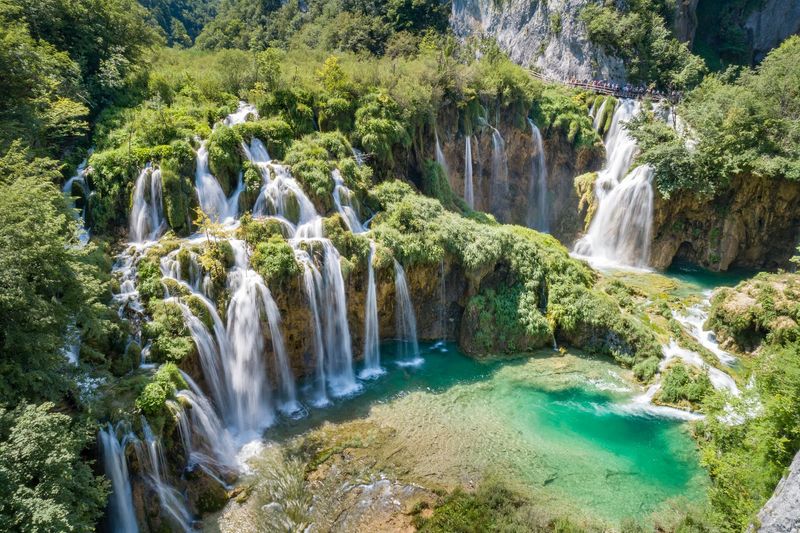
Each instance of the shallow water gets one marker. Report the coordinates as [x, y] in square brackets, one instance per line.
[704, 279]
[560, 428]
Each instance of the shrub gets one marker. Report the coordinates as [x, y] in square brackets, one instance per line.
[274, 260]
[224, 156]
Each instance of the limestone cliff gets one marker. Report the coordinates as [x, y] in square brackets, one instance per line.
[755, 223]
[542, 34]
[781, 514]
[769, 25]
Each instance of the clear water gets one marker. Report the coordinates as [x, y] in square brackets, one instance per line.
[706, 279]
[557, 427]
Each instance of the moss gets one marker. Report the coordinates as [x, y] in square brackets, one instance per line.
[224, 156]
[275, 133]
[179, 197]
[684, 386]
[351, 246]
[254, 231]
[148, 275]
[274, 260]
[216, 258]
[436, 185]
[169, 337]
[152, 400]
[645, 369]
[584, 188]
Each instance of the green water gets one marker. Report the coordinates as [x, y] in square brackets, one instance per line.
[706, 279]
[560, 428]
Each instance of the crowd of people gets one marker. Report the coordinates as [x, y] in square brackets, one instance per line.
[626, 91]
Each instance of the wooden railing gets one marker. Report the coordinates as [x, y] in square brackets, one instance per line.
[601, 89]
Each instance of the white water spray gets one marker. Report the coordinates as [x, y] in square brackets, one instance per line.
[538, 203]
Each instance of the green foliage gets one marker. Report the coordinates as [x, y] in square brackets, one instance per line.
[351, 246]
[152, 400]
[254, 231]
[178, 197]
[561, 110]
[275, 133]
[47, 281]
[380, 128]
[274, 260]
[639, 35]
[681, 384]
[436, 185]
[224, 156]
[45, 485]
[167, 331]
[313, 158]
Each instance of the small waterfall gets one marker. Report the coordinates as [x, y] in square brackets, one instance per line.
[620, 231]
[212, 199]
[343, 199]
[152, 462]
[312, 282]
[121, 516]
[719, 379]
[694, 321]
[598, 114]
[208, 443]
[147, 215]
[358, 155]
[469, 193]
[243, 111]
[79, 179]
[405, 319]
[499, 176]
[538, 218]
[372, 353]
[440, 156]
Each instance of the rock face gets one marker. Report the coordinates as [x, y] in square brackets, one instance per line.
[768, 26]
[755, 224]
[538, 33]
[686, 20]
[563, 162]
[781, 514]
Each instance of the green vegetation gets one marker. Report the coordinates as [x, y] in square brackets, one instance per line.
[638, 34]
[684, 386]
[152, 400]
[739, 126]
[274, 260]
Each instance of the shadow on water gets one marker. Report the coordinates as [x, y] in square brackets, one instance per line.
[706, 279]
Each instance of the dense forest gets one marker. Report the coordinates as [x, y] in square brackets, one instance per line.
[296, 178]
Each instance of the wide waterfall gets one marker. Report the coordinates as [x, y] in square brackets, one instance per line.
[469, 193]
[538, 202]
[405, 319]
[372, 352]
[121, 516]
[499, 188]
[147, 214]
[620, 232]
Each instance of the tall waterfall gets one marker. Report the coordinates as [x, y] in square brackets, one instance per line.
[538, 202]
[147, 215]
[121, 516]
[620, 231]
[212, 198]
[79, 179]
[372, 352]
[469, 193]
[405, 319]
[499, 175]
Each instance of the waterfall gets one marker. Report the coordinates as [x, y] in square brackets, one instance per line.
[620, 232]
[358, 155]
[312, 281]
[212, 199]
[694, 321]
[499, 176]
[79, 179]
[372, 353]
[121, 516]
[343, 199]
[405, 319]
[469, 193]
[147, 215]
[206, 441]
[598, 114]
[719, 379]
[243, 111]
[151, 459]
[538, 218]
[440, 156]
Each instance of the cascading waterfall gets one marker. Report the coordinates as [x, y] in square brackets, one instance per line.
[312, 282]
[469, 193]
[372, 353]
[598, 114]
[620, 232]
[121, 516]
[343, 199]
[405, 319]
[151, 459]
[538, 218]
[694, 321]
[147, 215]
[499, 175]
[242, 113]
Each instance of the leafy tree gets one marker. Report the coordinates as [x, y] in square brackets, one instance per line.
[45, 485]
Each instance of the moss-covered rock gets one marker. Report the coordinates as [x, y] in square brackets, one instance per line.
[224, 156]
[274, 260]
[179, 197]
[169, 337]
[587, 201]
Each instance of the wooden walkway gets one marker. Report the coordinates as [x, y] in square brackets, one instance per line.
[598, 88]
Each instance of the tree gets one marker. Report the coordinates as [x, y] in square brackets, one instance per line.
[44, 484]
